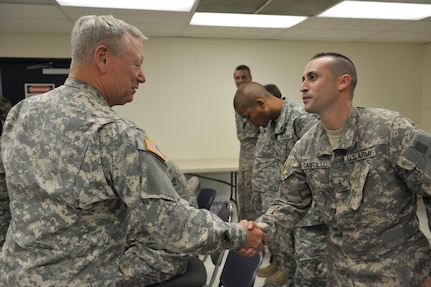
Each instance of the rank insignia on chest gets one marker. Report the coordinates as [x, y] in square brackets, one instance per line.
[152, 147]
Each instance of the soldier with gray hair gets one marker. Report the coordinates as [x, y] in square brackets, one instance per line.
[363, 169]
[76, 171]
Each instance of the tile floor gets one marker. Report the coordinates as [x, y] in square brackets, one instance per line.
[261, 281]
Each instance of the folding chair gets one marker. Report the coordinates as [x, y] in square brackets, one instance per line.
[206, 197]
[240, 271]
[225, 213]
[195, 276]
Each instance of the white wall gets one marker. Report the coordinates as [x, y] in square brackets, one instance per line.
[186, 104]
[425, 109]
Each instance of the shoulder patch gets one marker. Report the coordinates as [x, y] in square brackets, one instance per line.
[152, 147]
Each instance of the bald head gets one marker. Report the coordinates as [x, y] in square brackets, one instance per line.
[247, 94]
[256, 104]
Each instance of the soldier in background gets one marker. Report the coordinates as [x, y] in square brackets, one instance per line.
[362, 168]
[301, 260]
[5, 106]
[247, 135]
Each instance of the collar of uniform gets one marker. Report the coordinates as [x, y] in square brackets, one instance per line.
[347, 139]
[281, 121]
[323, 147]
[90, 90]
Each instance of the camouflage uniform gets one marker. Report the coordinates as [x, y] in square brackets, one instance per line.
[4, 205]
[247, 135]
[366, 190]
[144, 262]
[181, 184]
[304, 252]
[75, 171]
[5, 107]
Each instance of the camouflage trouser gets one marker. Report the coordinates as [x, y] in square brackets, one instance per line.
[246, 208]
[310, 254]
[284, 250]
[288, 264]
[406, 265]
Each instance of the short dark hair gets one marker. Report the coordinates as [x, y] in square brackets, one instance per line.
[341, 65]
[273, 90]
[243, 67]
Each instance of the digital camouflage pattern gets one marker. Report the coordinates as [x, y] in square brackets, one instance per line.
[181, 184]
[366, 191]
[303, 252]
[5, 106]
[273, 146]
[75, 172]
[4, 205]
[247, 135]
[145, 262]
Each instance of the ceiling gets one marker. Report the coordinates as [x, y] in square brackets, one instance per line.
[46, 16]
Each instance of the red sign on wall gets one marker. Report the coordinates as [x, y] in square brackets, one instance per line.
[35, 89]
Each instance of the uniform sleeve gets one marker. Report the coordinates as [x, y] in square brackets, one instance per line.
[140, 178]
[294, 201]
[411, 151]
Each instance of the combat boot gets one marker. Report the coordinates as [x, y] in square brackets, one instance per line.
[270, 269]
[278, 278]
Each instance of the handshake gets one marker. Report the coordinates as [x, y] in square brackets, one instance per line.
[256, 239]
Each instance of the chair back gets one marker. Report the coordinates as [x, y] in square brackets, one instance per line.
[195, 276]
[240, 271]
[206, 197]
[226, 214]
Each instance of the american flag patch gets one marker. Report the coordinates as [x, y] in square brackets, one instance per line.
[152, 147]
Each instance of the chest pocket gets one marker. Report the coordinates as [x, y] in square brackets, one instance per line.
[349, 192]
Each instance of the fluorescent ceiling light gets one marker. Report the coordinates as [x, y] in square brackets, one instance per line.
[245, 20]
[378, 10]
[157, 5]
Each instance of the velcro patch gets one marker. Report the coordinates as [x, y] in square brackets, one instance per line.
[152, 147]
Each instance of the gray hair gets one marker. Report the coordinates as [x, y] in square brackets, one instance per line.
[91, 31]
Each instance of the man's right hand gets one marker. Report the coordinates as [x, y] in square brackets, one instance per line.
[256, 239]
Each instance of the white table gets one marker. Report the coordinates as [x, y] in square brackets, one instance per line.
[197, 167]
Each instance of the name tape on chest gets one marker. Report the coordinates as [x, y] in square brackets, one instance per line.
[360, 155]
[351, 157]
[316, 164]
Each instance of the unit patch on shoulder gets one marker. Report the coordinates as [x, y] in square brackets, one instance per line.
[152, 147]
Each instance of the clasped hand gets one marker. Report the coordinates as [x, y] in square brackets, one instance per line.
[256, 239]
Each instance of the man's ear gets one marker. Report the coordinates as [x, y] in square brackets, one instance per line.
[259, 102]
[344, 82]
[101, 58]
